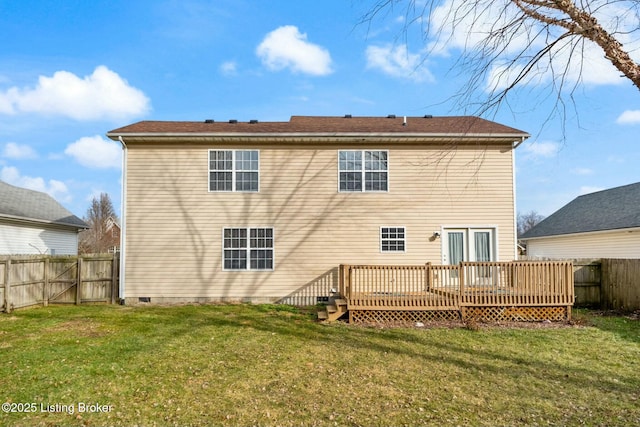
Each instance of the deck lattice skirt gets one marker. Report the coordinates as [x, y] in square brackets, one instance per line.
[516, 314]
[402, 316]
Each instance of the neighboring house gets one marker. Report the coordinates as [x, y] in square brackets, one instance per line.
[258, 211]
[32, 222]
[113, 228]
[604, 224]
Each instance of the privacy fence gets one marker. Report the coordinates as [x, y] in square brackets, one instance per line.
[612, 284]
[43, 280]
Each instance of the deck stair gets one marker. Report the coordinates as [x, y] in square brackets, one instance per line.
[333, 311]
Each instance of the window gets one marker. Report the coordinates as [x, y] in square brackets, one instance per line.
[247, 249]
[234, 170]
[363, 171]
[392, 239]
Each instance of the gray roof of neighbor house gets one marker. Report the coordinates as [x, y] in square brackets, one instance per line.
[28, 205]
[611, 209]
[444, 127]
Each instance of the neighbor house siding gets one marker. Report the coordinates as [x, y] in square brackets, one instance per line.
[174, 224]
[611, 244]
[31, 240]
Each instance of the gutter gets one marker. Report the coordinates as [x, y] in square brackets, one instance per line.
[521, 141]
[321, 135]
[123, 222]
[582, 233]
[36, 221]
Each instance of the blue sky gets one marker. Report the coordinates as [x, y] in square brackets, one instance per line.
[72, 70]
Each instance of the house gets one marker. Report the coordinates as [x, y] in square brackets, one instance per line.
[604, 224]
[32, 222]
[267, 211]
[113, 230]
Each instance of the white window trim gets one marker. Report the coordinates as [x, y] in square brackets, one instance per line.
[248, 249]
[363, 173]
[233, 171]
[404, 239]
[444, 246]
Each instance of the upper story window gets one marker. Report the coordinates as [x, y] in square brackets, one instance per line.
[234, 170]
[363, 170]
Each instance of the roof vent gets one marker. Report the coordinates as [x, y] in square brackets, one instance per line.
[391, 116]
[253, 121]
[209, 121]
[428, 116]
[347, 116]
[233, 121]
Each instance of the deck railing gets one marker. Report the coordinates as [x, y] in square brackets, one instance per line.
[447, 287]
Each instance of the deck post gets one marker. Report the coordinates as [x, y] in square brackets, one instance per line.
[461, 279]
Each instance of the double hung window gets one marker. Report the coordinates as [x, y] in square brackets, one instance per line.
[234, 170]
[247, 249]
[363, 170]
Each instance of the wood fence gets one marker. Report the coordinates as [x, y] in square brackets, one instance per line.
[43, 280]
[448, 287]
[610, 284]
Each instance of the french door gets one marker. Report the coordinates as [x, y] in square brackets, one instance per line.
[468, 244]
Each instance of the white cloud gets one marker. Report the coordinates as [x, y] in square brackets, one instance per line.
[541, 149]
[18, 151]
[229, 68]
[56, 189]
[95, 152]
[629, 117]
[286, 47]
[398, 62]
[102, 95]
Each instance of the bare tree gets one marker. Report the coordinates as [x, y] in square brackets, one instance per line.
[101, 235]
[526, 221]
[506, 45]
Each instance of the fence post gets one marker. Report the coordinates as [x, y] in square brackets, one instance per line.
[79, 282]
[114, 276]
[7, 286]
[45, 285]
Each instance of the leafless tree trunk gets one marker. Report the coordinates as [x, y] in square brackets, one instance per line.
[508, 44]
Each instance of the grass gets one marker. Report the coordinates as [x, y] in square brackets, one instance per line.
[273, 365]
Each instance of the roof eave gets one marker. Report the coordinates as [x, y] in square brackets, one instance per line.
[314, 136]
[36, 221]
[580, 233]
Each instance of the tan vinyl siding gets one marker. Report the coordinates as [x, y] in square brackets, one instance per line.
[174, 224]
[612, 244]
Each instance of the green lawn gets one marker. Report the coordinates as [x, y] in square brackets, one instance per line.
[272, 365]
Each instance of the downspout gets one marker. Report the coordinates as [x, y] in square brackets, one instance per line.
[516, 144]
[123, 222]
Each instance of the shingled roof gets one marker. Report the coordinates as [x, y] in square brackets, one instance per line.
[347, 125]
[616, 208]
[34, 206]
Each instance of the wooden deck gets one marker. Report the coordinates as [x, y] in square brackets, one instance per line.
[519, 290]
